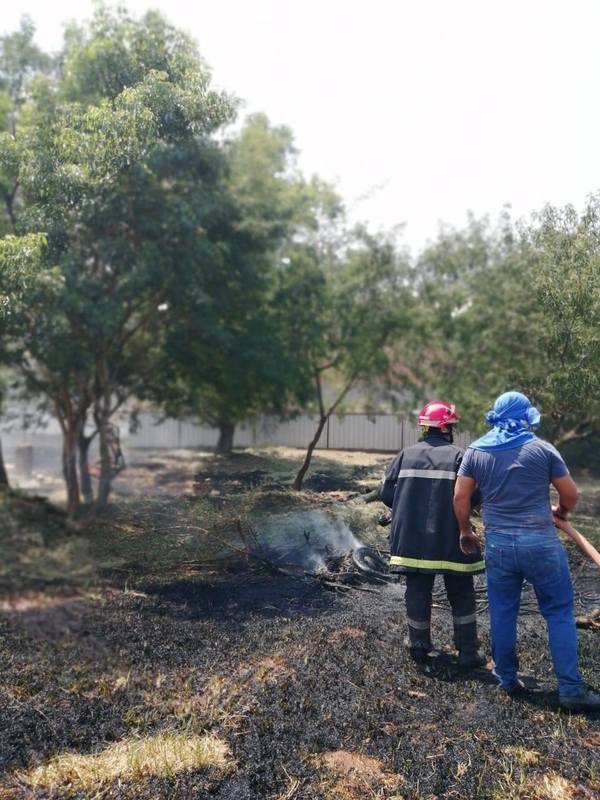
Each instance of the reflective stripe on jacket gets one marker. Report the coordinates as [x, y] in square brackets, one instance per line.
[419, 488]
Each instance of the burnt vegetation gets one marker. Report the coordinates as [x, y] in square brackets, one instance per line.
[152, 656]
[223, 625]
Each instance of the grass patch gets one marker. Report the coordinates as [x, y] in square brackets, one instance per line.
[550, 786]
[523, 756]
[356, 775]
[162, 755]
[36, 547]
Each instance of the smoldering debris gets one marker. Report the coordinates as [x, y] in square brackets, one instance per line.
[314, 542]
[303, 539]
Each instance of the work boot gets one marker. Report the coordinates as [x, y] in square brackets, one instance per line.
[584, 700]
[419, 654]
[471, 659]
[422, 655]
[515, 689]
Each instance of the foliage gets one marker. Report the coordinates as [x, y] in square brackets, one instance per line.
[566, 249]
[227, 356]
[20, 260]
[119, 178]
[351, 301]
[475, 317]
[515, 308]
[145, 254]
[20, 62]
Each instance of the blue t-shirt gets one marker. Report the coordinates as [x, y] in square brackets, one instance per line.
[515, 484]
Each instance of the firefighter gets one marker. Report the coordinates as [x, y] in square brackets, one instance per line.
[424, 540]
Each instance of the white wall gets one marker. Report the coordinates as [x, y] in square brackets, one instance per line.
[385, 432]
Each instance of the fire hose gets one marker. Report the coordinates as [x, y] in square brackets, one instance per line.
[586, 547]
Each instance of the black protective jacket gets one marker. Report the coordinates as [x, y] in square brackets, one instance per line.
[419, 488]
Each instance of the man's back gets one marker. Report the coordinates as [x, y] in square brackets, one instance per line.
[419, 486]
[514, 484]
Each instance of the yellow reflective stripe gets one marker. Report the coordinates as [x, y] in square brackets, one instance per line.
[402, 561]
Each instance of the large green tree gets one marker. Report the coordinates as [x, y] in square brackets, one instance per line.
[235, 316]
[515, 307]
[565, 258]
[116, 165]
[351, 301]
[476, 312]
[20, 62]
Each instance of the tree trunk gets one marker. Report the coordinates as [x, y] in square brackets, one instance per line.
[69, 459]
[83, 447]
[226, 434]
[102, 415]
[307, 458]
[105, 480]
[4, 484]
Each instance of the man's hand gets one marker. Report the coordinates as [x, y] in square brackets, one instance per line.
[560, 512]
[470, 543]
[384, 518]
[561, 522]
[463, 491]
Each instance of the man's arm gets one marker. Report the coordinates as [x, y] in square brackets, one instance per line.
[463, 490]
[567, 496]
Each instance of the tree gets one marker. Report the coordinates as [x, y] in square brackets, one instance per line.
[515, 307]
[20, 259]
[235, 316]
[116, 166]
[566, 268]
[20, 61]
[474, 338]
[350, 299]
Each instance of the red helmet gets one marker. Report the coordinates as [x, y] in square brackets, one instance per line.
[438, 413]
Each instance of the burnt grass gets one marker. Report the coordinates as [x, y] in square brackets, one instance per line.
[311, 689]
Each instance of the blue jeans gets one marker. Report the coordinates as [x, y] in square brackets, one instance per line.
[539, 558]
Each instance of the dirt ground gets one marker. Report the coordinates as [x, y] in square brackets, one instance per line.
[150, 657]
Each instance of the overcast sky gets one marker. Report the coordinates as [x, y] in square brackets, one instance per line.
[418, 110]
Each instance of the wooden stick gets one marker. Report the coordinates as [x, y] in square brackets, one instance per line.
[586, 547]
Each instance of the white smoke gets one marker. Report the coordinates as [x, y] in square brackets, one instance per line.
[303, 538]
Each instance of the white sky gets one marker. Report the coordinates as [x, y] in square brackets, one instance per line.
[418, 110]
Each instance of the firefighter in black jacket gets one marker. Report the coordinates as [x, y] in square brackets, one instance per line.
[424, 538]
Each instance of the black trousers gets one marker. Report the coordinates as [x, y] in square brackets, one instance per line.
[461, 595]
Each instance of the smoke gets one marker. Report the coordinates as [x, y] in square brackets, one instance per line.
[303, 538]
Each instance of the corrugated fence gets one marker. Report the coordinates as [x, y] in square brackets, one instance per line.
[385, 432]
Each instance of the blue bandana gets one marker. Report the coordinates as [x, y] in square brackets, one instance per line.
[512, 418]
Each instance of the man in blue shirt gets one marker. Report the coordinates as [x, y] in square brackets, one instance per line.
[513, 469]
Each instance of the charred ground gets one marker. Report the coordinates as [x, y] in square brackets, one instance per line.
[149, 657]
